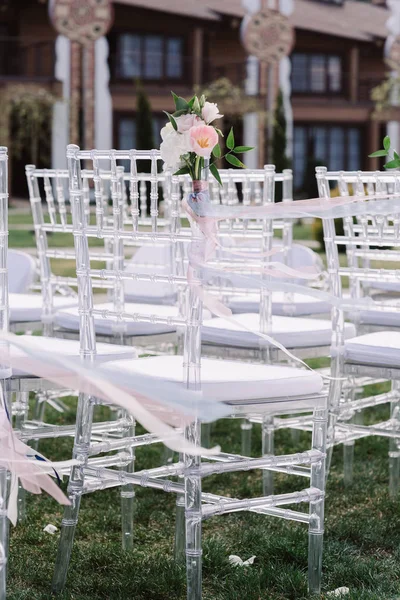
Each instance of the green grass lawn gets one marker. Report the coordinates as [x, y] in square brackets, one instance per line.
[362, 542]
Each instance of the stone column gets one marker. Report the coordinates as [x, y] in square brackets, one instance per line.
[75, 94]
[103, 116]
[60, 128]
[88, 94]
[251, 121]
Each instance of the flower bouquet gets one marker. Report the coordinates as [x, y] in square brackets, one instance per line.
[191, 142]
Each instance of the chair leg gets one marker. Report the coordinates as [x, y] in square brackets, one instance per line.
[394, 451]
[267, 433]
[128, 496]
[38, 414]
[21, 407]
[84, 418]
[3, 532]
[180, 533]
[316, 526]
[247, 429]
[193, 516]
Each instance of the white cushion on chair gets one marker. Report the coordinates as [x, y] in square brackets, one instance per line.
[381, 348]
[69, 319]
[226, 381]
[289, 331]
[59, 347]
[156, 260]
[28, 307]
[21, 271]
[301, 305]
[379, 317]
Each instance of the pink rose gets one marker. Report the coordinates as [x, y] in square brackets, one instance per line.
[203, 138]
[186, 122]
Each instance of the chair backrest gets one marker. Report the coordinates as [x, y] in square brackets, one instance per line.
[372, 241]
[189, 317]
[50, 201]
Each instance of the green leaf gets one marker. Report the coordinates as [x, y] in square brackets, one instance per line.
[191, 101]
[219, 132]
[175, 97]
[171, 120]
[240, 149]
[230, 140]
[378, 154]
[178, 113]
[393, 164]
[180, 103]
[396, 155]
[202, 101]
[234, 161]
[182, 171]
[386, 142]
[196, 105]
[217, 151]
[214, 171]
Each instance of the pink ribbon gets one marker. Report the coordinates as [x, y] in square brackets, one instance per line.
[32, 473]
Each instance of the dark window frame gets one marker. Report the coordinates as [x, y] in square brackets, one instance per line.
[119, 115]
[346, 127]
[117, 55]
[327, 91]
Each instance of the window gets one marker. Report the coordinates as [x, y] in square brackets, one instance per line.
[149, 56]
[316, 73]
[126, 131]
[336, 147]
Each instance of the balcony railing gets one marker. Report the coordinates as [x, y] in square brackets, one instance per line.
[26, 59]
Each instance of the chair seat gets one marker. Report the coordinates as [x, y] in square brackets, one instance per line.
[289, 331]
[69, 319]
[381, 348]
[27, 308]
[381, 318]
[299, 306]
[223, 380]
[60, 347]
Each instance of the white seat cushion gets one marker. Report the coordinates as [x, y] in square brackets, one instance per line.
[21, 271]
[27, 308]
[379, 317]
[289, 331]
[105, 352]
[381, 348]
[223, 380]
[301, 305]
[156, 260]
[69, 319]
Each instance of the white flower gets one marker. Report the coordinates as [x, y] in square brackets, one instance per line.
[186, 122]
[210, 112]
[173, 146]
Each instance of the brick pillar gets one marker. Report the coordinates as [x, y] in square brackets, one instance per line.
[75, 94]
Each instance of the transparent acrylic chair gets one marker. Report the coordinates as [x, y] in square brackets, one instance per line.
[372, 245]
[247, 388]
[304, 337]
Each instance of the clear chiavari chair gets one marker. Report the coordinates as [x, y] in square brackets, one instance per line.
[247, 388]
[373, 254]
[242, 338]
